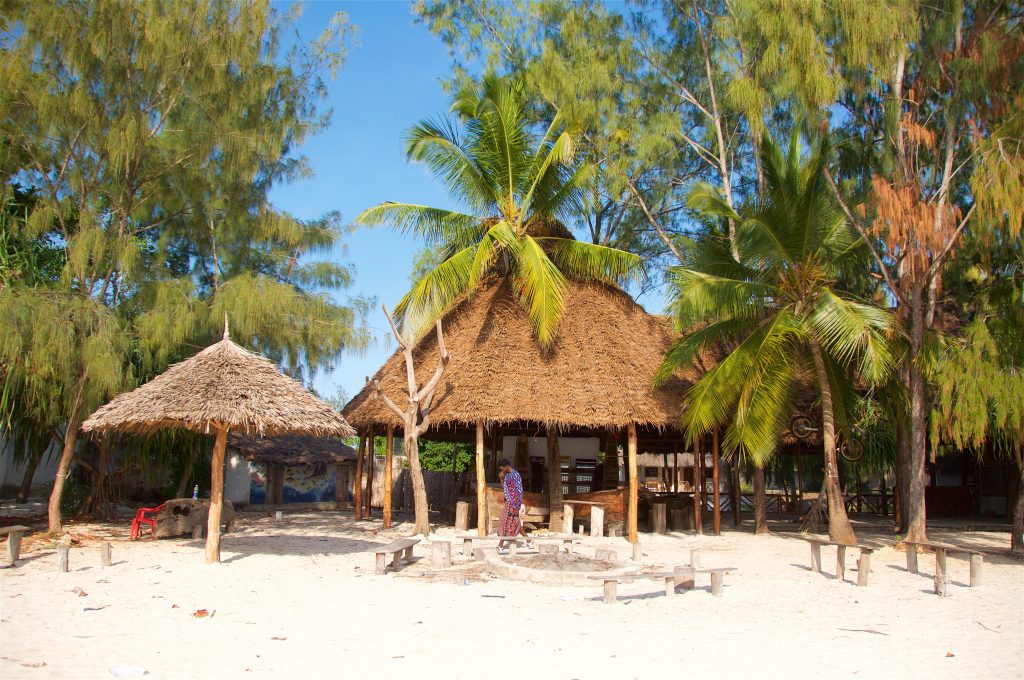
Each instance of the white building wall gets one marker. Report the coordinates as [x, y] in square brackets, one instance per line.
[573, 447]
[236, 480]
[11, 474]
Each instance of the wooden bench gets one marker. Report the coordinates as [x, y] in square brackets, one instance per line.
[941, 550]
[863, 561]
[14, 536]
[680, 576]
[395, 548]
[596, 516]
[468, 540]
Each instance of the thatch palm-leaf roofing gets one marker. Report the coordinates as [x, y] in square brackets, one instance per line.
[598, 374]
[222, 386]
[291, 449]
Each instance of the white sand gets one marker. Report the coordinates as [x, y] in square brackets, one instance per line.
[309, 581]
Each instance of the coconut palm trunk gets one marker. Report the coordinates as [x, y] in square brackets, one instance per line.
[760, 511]
[839, 528]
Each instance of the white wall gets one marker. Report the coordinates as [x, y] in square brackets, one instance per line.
[11, 474]
[236, 480]
[574, 447]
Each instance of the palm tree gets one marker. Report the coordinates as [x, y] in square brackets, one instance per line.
[516, 188]
[777, 303]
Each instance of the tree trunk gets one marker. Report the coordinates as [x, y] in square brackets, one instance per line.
[915, 503]
[1017, 538]
[30, 472]
[839, 528]
[554, 483]
[216, 496]
[634, 486]
[97, 504]
[902, 474]
[55, 518]
[760, 512]
[419, 489]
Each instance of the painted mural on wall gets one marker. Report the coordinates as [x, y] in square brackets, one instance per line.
[302, 483]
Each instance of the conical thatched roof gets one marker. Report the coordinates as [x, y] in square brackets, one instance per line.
[598, 374]
[224, 385]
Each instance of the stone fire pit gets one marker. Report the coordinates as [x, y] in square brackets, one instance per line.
[567, 569]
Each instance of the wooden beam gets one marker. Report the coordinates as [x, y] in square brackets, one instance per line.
[389, 452]
[357, 482]
[370, 456]
[216, 496]
[481, 482]
[633, 482]
[716, 451]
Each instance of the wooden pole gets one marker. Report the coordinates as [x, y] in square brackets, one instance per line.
[554, 482]
[357, 482]
[389, 452]
[633, 482]
[370, 455]
[734, 488]
[216, 496]
[799, 480]
[698, 488]
[716, 451]
[481, 482]
[675, 471]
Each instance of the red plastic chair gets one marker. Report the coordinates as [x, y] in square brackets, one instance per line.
[140, 519]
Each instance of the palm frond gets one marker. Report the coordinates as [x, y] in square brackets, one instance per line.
[706, 198]
[437, 144]
[594, 262]
[541, 289]
[428, 299]
[683, 353]
[498, 237]
[853, 332]
[698, 296]
[436, 226]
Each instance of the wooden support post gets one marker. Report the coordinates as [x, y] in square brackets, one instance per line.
[568, 514]
[698, 488]
[63, 565]
[670, 586]
[389, 456]
[799, 481]
[658, 520]
[734, 489]
[441, 554]
[695, 558]
[216, 496]
[675, 472]
[597, 521]
[815, 557]
[462, 516]
[911, 557]
[940, 572]
[14, 547]
[105, 555]
[976, 561]
[840, 562]
[716, 583]
[370, 462]
[381, 565]
[357, 482]
[481, 482]
[609, 592]
[633, 483]
[637, 553]
[863, 567]
[554, 481]
[716, 454]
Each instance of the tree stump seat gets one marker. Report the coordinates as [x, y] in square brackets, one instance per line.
[680, 576]
[977, 559]
[14, 536]
[863, 560]
[396, 548]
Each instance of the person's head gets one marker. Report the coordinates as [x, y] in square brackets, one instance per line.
[504, 465]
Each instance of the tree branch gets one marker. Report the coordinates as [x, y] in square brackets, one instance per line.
[654, 223]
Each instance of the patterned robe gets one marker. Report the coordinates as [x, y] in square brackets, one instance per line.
[510, 523]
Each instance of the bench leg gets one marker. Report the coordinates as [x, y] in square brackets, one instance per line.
[863, 568]
[596, 521]
[408, 554]
[381, 564]
[670, 586]
[467, 546]
[695, 558]
[911, 558]
[609, 592]
[684, 577]
[716, 583]
[976, 562]
[940, 572]
[815, 557]
[840, 562]
[14, 547]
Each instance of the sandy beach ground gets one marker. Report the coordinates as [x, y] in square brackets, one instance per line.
[298, 598]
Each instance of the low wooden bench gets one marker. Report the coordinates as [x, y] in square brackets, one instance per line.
[468, 540]
[396, 548]
[680, 576]
[941, 550]
[863, 561]
[14, 536]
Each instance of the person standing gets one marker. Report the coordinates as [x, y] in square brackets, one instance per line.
[511, 523]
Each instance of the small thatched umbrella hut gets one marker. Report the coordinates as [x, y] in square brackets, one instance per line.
[596, 378]
[222, 388]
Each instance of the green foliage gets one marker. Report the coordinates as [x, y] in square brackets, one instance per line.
[437, 456]
[516, 187]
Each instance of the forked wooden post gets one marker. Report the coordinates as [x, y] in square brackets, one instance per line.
[481, 482]
[633, 485]
[216, 496]
[389, 453]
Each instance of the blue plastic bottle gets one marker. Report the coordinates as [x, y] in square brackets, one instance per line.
[195, 492]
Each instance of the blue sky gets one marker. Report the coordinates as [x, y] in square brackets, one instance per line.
[392, 79]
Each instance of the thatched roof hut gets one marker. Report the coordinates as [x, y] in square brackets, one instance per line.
[597, 375]
[222, 388]
[291, 449]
